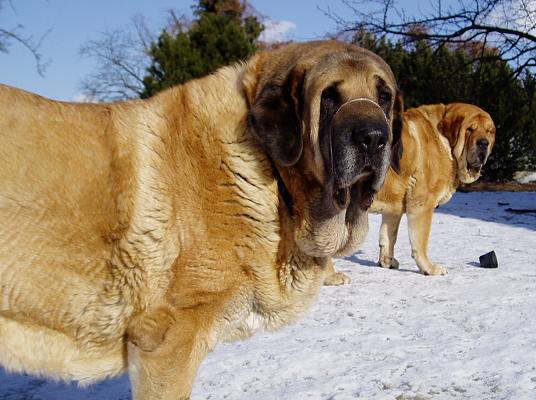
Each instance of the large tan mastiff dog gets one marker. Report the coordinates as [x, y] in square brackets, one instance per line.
[443, 146]
[137, 236]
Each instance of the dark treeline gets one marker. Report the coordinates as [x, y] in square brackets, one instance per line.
[429, 75]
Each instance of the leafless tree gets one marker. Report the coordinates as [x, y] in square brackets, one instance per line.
[123, 55]
[121, 58]
[16, 34]
[499, 29]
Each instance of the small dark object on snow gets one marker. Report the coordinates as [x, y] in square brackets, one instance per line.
[521, 210]
[488, 260]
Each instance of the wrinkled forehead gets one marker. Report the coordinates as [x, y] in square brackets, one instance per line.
[358, 71]
[481, 121]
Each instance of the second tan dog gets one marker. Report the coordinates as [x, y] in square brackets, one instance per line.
[443, 146]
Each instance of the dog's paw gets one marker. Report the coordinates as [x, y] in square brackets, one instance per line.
[336, 279]
[435, 270]
[388, 262]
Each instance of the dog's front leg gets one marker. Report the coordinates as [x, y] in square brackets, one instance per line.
[334, 278]
[419, 223]
[165, 348]
[388, 234]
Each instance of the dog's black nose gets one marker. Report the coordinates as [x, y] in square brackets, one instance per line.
[482, 143]
[370, 140]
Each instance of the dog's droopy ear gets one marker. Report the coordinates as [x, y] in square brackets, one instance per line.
[396, 148]
[275, 119]
[450, 128]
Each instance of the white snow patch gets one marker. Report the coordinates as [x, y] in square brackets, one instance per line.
[525, 176]
[389, 334]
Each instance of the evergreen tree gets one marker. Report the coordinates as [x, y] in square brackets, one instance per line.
[220, 35]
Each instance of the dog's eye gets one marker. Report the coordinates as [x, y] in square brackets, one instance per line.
[330, 101]
[384, 96]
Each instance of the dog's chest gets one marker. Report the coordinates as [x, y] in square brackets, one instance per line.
[240, 323]
[249, 322]
[270, 310]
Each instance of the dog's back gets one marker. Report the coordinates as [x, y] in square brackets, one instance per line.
[55, 193]
[57, 213]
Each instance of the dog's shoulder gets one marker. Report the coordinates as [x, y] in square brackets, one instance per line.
[422, 131]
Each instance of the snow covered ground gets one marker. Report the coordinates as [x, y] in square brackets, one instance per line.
[389, 334]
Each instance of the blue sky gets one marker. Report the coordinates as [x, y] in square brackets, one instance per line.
[70, 24]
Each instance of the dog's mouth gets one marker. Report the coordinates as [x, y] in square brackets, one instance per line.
[361, 190]
[338, 220]
[341, 197]
[475, 168]
[367, 197]
[477, 161]
[470, 173]
[366, 189]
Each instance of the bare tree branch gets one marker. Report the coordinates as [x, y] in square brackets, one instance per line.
[121, 58]
[506, 27]
[15, 34]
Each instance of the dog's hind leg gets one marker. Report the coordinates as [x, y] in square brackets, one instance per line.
[388, 234]
[419, 223]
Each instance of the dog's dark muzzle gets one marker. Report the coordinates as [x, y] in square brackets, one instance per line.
[482, 150]
[360, 145]
[481, 154]
[360, 140]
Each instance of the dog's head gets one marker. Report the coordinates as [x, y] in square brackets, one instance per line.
[324, 112]
[471, 134]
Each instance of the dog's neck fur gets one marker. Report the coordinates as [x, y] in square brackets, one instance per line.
[253, 204]
[435, 114]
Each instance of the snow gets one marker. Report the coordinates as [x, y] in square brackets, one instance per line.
[525, 176]
[389, 334]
